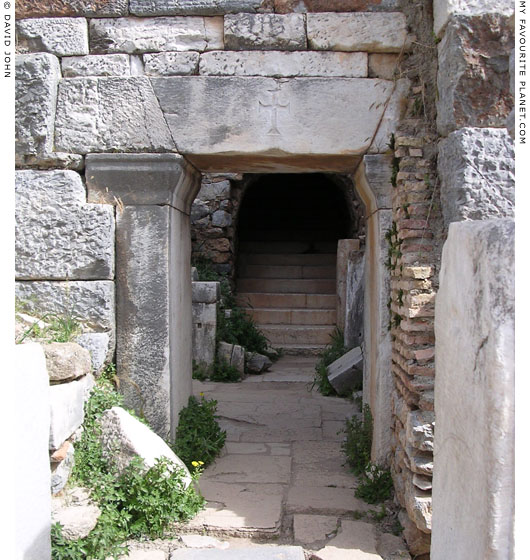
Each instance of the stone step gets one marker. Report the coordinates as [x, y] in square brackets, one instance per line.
[284, 301]
[288, 247]
[263, 552]
[269, 316]
[301, 349]
[297, 334]
[286, 286]
[308, 259]
[287, 271]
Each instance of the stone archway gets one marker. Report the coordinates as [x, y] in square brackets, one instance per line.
[316, 131]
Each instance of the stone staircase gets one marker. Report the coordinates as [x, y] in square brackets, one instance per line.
[289, 289]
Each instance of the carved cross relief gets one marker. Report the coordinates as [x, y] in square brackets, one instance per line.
[274, 104]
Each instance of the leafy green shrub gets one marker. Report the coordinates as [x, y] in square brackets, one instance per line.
[200, 371]
[223, 371]
[198, 436]
[137, 502]
[375, 485]
[358, 442]
[333, 351]
[239, 328]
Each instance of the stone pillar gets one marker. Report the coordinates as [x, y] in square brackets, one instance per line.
[473, 483]
[153, 195]
[32, 491]
[372, 181]
[344, 250]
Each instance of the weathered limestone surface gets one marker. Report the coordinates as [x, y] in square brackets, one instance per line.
[134, 35]
[265, 32]
[444, 9]
[232, 354]
[96, 65]
[110, 114]
[31, 423]
[66, 361]
[76, 512]
[354, 307]
[123, 437]
[278, 118]
[37, 76]
[62, 8]
[264, 552]
[61, 472]
[66, 408]
[346, 372]
[99, 346]
[473, 484]
[89, 302]
[171, 64]
[192, 7]
[59, 36]
[477, 171]
[473, 76]
[382, 65]
[204, 331]
[284, 64]
[58, 235]
[372, 32]
[287, 6]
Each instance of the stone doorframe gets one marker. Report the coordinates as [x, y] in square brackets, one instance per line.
[153, 195]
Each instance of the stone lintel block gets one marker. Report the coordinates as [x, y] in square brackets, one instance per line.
[58, 235]
[141, 179]
[256, 120]
[59, 36]
[144, 35]
[75, 8]
[171, 64]
[283, 64]
[37, 76]
[90, 302]
[96, 65]
[477, 172]
[265, 32]
[368, 32]
[192, 7]
[473, 73]
[346, 372]
[31, 432]
[67, 402]
[445, 9]
[474, 434]
[110, 114]
[206, 292]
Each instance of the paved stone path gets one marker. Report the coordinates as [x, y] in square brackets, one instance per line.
[280, 485]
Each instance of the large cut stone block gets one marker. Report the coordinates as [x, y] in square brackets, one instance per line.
[67, 409]
[354, 320]
[171, 63]
[31, 435]
[37, 76]
[99, 347]
[473, 73]
[66, 361]
[110, 114]
[287, 6]
[206, 292]
[58, 235]
[372, 32]
[477, 171]
[444, 9]
[473, 483]
[62, 8]
[265, 32]
[139, 35]
[92, 303]
[246, 122]
[346, 373]
[233, 355]
[204, 332]
[96, 65]
[284, 64]
[192, 7]
[132, 177]
[59, 36]
[123, 437]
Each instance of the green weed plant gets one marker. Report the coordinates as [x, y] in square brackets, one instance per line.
[333, 351]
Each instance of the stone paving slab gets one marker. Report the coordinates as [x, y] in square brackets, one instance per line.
[262, 553]
[356, 541]
[309, 529]
[321, 499]
[250, 468]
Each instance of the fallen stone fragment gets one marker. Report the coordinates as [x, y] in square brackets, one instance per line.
[346, 373]
[77, 514]
[124, 437]
[66, 361]
[62, 470]
[233, 354]
[257, 363]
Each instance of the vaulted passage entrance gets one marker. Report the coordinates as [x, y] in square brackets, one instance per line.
[288, 229]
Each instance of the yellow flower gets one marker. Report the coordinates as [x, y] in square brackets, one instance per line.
[195, 463]
[201, 394]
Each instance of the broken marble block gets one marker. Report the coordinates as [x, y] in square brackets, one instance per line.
[346, 373]
[257, 363]
[123, 437]
[233, 354]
